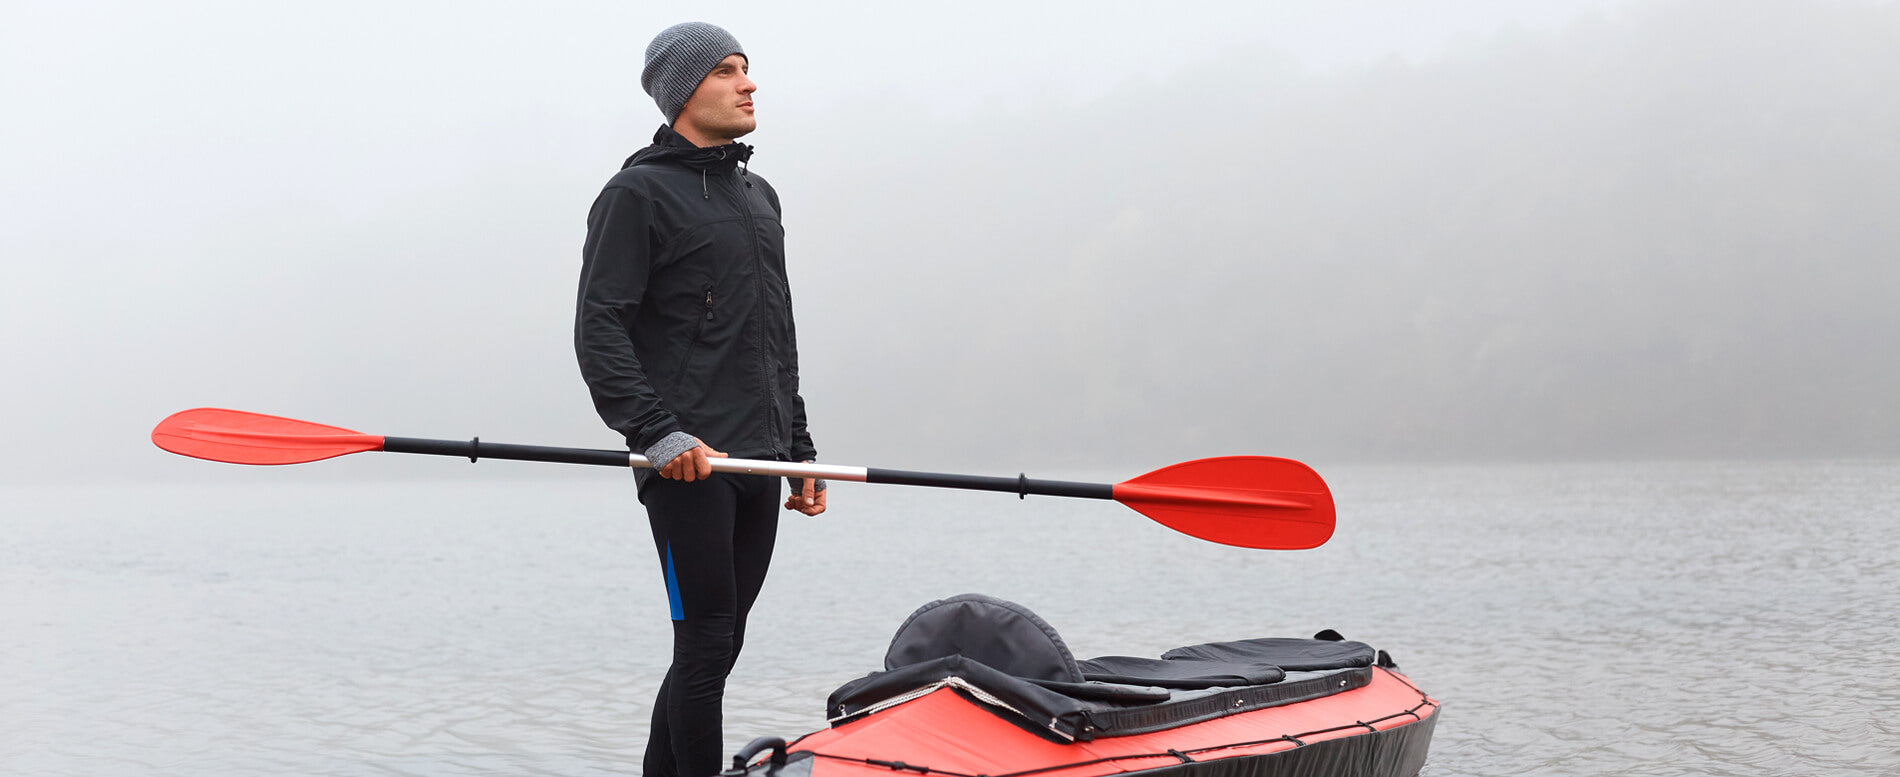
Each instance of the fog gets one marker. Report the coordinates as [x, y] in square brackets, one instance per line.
[1068, 237]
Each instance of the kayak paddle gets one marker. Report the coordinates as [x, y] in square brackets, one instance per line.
[1247, 501]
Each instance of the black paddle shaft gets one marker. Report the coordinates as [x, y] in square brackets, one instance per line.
[1021, 485]
[476, 449]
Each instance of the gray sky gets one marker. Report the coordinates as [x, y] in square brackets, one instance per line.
[1023, 236]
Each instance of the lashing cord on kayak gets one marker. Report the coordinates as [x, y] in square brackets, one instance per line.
[1185, 756]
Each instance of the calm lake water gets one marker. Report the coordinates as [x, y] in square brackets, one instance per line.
[1577, 619]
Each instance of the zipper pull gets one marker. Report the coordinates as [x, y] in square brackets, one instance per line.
[709, 307]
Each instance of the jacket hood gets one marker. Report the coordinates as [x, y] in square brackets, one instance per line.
[671, 147]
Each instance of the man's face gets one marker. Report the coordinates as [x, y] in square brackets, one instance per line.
[720, 109]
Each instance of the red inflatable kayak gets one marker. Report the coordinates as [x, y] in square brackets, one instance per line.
[979, 687]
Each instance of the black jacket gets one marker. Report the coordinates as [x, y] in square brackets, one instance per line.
[684, 316]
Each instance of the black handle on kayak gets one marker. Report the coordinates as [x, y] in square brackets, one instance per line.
[752, 750]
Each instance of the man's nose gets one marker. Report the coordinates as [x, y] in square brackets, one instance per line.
[746, 86]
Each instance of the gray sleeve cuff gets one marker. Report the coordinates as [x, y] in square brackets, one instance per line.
[670, 447]
[798, 484]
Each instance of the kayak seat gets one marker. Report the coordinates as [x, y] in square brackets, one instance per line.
[1002, 635]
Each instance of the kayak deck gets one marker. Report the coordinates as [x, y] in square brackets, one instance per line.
[937, 733]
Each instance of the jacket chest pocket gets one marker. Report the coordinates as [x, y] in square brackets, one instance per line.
[703, 321]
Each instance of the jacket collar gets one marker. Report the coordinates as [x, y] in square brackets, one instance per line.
[670, 146]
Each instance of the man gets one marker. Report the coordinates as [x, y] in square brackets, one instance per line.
[684, 333]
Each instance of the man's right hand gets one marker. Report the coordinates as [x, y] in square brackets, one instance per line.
[694, 464]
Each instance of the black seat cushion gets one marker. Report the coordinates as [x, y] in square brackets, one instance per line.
[1186, 673]
[1293, 655]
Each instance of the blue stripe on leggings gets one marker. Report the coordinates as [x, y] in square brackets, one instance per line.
[673, 586]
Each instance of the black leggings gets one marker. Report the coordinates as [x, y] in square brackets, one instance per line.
[715, 541]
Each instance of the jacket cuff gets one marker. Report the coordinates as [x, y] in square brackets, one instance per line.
[798, 484]
[670, 447]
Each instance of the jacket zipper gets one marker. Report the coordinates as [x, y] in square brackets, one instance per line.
[768, 376]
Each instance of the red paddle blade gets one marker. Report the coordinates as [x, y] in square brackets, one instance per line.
[254, 438]
[1247, 501]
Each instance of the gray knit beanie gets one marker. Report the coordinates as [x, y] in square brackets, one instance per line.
[679, 58]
